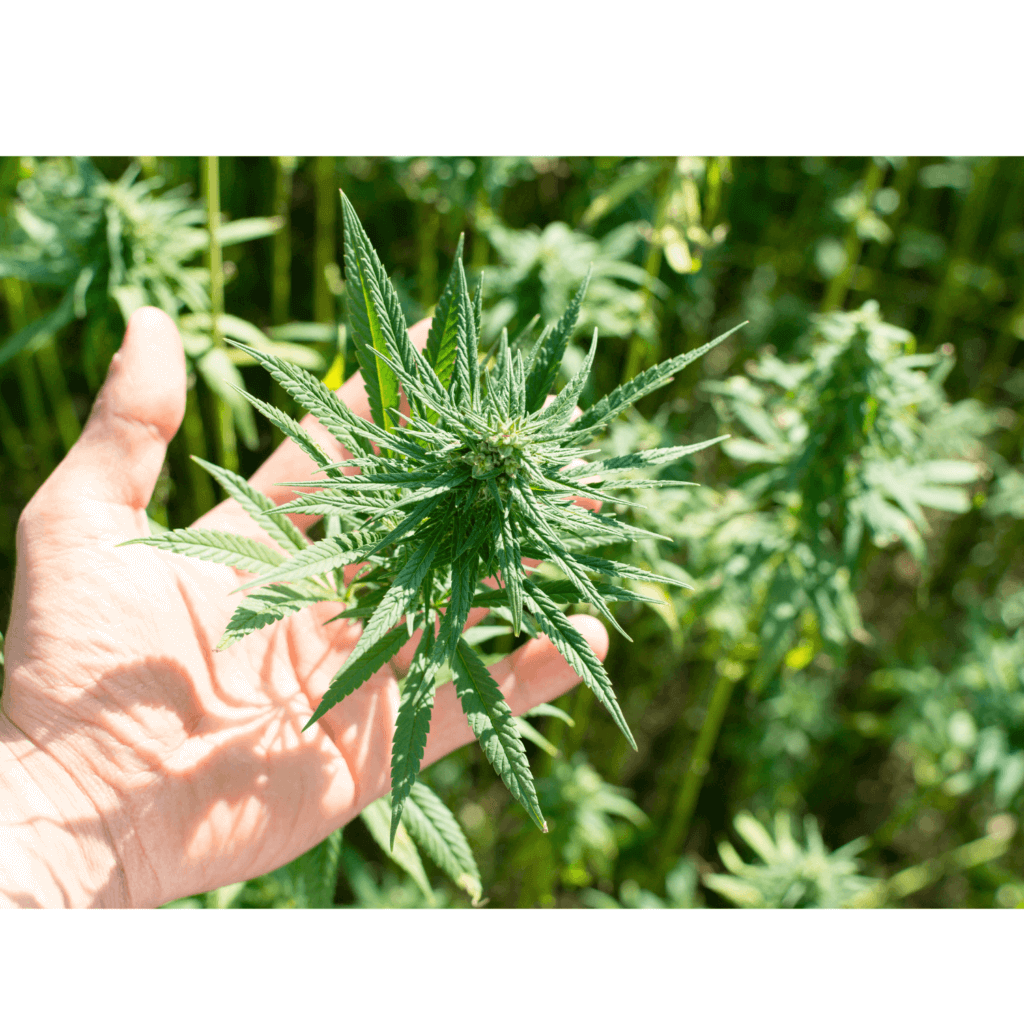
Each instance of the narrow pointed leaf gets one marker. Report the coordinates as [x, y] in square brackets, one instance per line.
[548, 356]
[356, 670]
[323, 556]
[258, 505]
[491, 722]
[214, 546]
[370, 325]
[268, 606]
[442, 340]
[437, 832]
[642, 384]
[412, 726]
[577, 652]
[377, 819]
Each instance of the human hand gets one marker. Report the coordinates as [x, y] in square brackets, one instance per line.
[137, 765]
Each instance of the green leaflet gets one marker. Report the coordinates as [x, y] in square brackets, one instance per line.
[401, 848]
[442, 340]
[547, 357]
[294, 430]
[559, 411]
[564, 592]
[412, 725]
[314, 875]
[459, 605]
[624, 570]
[257, 504]
[401, 594]
[435, 829]
[642, 384]
[465, 347]
[351, 431]
[492, 724]
[214, 546]
[266, 606]
[640, 460]
[372, 327]
[577, 653]
[356, 670]
[510, 559]
[327, 554]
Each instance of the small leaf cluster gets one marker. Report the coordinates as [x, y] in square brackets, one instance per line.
[111, 247]
[792, 874]
[438, 502]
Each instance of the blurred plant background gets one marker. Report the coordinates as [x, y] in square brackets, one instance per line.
[834, 716]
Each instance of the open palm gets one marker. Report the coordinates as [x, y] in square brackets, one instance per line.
[174, 768]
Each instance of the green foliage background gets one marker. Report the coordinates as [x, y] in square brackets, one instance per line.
[835, 715]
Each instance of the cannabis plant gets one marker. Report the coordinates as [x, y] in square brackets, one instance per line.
[113, 246]
[791, 875]
[437, 502]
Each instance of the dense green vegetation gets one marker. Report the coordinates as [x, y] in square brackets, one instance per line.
[835, 714]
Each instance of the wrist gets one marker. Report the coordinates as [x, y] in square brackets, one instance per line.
[54, 846]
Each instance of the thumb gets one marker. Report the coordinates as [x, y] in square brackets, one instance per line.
[118, 457]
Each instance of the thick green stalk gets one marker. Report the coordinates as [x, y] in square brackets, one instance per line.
[225, 425]
[482, 215]
[325, 246]
[920, 876]
[902, 185]
[963, 241]
[56, 387]
[686, 799]
[191, 440]
[639, 350]
[12, 439]
[281, 286]
[34, 412]
[50, 371]
[428, 227]
[839, 286]
[33, 409]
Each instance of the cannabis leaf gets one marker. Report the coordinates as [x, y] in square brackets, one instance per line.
[477, 476]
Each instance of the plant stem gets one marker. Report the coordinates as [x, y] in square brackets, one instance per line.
[33, 410]
[223, 416]
[281, 288]
[191, 440]
[325, 242]
[700, 760]
[963, 241]
[56, 387]
[639, 349]
[482, 216]
[429, 225]
[920, 876]
[51, 373]
[35, 413]
[835, 294]
[12, 438]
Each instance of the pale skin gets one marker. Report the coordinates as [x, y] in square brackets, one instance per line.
[137, 764]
